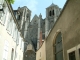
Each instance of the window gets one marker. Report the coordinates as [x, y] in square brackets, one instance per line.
[18, 17]
[79, 53]
[9, 27]
[1, 11]
[50, 13]
[13, 29]
[58, 47]
[74, 53]
[53, 12]
[1, 15]
[71, 53]
[5, 53]
[12, 54]
[72, 56]
[8, 21]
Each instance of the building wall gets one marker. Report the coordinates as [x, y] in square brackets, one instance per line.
[41, 53]
[68, 24]
[9, 35]
[4, 36]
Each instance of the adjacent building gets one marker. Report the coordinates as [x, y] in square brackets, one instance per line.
[11, 39]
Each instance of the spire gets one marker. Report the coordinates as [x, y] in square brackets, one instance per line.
[40, 16]
[51, 5]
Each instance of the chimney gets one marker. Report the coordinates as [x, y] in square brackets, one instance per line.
[40, 42]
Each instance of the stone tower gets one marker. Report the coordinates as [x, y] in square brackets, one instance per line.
[52, 13]
[22, 15]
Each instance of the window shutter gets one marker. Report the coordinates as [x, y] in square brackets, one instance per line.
[17, 37]
[13, 30]
[8, 21]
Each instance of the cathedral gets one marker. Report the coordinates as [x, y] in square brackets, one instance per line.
[36, 30]
[56, 37]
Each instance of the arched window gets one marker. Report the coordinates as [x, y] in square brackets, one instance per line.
[53, 12]
[12, 54]
[58, 47]
[50, 13]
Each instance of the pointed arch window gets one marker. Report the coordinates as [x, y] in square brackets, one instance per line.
[58, 47]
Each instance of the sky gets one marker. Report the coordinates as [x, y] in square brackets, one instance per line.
[37, 6]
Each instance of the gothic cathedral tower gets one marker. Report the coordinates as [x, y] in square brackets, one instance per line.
[52, 13]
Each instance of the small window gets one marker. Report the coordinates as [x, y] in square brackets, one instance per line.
[5, 52]
[53, 12]
[72, 56]
[50, 13]
[12, 54]
[18, 17]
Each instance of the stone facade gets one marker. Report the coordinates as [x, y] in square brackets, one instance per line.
[18, 28]
[36, 30]
[41, 52]
[38, 24]
[63, 41]
[12, 43]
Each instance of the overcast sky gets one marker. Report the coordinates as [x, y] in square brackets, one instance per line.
[37, 6]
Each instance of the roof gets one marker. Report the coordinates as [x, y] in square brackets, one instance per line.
[51, 5]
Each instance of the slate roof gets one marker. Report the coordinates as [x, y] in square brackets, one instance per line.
[51, 5]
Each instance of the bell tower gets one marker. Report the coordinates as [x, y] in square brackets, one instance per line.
[52, 13]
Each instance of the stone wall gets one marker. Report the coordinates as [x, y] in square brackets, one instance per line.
[41, 53]
[68, 24]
